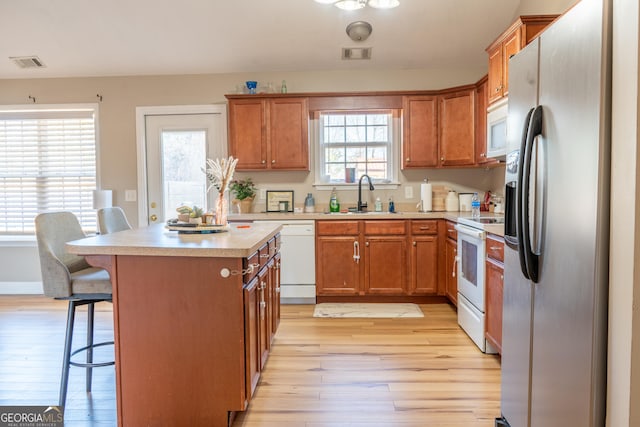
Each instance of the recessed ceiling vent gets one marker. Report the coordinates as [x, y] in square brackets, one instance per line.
[27, 61]
[356, 53]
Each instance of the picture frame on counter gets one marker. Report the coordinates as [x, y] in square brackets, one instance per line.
[280, 201]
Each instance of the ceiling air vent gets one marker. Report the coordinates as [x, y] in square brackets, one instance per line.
[356, 53]
[27, 61]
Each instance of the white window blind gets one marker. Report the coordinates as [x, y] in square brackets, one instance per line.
[47, 163]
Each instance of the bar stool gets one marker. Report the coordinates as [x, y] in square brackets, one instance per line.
[111, 220]
[69, 277]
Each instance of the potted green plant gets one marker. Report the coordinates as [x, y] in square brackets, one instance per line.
[244, 191]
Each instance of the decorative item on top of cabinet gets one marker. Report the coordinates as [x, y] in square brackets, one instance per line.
[494, 292]
[510, 42]
[269, 133]
[456, 113]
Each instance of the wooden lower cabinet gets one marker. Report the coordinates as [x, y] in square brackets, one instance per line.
[275, 294]
[424, 265]
[261, 314]
[424, 257]
[252, 337]
[451, 274]
[391, 258]
[338, 258]
[494, 267]
[385, 265]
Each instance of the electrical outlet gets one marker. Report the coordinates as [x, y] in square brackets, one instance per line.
[130, 195]
[263, 193]
[408, 192]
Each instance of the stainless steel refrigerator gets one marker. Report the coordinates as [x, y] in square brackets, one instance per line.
[557, 224]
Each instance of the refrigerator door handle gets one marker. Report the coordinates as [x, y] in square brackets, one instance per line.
[520, 196]
[531, 259]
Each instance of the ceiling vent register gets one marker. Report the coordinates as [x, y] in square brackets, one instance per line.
[27, 61]
[349, 53]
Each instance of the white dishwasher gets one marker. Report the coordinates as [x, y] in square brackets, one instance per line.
[298, 265]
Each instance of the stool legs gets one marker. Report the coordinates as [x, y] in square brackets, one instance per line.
[67, 353]
[90, 313]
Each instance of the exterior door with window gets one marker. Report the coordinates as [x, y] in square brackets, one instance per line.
[177, 147]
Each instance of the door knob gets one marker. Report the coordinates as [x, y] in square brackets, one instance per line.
[153, 217]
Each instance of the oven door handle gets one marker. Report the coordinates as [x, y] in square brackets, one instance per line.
[472, 232]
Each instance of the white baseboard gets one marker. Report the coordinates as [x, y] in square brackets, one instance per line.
[21, 288]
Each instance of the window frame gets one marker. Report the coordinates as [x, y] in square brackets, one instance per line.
[392, 154]
[54, 109]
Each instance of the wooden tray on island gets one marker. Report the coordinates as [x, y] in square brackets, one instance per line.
[187, 228]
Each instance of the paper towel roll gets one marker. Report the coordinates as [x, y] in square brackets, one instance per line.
[425, 197]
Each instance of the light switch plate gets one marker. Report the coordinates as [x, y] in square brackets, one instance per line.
[408, 192]
[130, 195]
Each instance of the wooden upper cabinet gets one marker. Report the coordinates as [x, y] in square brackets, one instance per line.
[247, 133]
[269, 133]
[420, 132]
[457, 128]
[510, 42]
[289, 133]
[482, 103]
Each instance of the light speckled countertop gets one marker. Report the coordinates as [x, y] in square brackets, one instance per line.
[497, 229]
[156, 240]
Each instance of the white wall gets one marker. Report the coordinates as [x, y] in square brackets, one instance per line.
[624, 287]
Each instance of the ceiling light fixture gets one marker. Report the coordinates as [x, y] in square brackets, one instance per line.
[359, 31]
[359, 4]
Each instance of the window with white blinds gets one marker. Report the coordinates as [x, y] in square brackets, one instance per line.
[47, 163]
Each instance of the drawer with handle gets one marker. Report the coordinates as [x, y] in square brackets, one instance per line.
[426, 226]
[495, 247]
[451, 230]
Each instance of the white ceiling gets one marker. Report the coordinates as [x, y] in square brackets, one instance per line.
[145, 37]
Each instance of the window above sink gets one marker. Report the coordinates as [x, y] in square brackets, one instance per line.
[350, 144]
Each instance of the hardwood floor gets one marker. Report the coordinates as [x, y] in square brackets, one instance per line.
[321, 372]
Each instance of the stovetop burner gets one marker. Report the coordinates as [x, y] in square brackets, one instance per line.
[482, 220]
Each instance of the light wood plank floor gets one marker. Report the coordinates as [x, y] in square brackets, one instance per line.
[321, 372]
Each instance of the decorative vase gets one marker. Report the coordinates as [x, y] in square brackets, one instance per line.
[222, 210]
[245, 205]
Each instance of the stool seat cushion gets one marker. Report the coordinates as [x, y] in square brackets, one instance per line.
[90, 281]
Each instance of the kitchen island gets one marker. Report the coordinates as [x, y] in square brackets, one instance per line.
[194, 316]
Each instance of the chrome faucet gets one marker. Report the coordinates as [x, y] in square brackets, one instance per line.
[362, 206]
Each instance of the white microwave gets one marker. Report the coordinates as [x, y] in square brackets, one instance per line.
[497, 130]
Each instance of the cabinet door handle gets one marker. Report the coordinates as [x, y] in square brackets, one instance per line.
[273, 161]
[264, 161]
[366, 244]
[425, 228]
[415, 243]
[495, 248]
[455, 264]
[263, 304]
[502, 277]
[408, 159]
[278, 290]
[264, 255]
[442, 159]
[356, 252]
